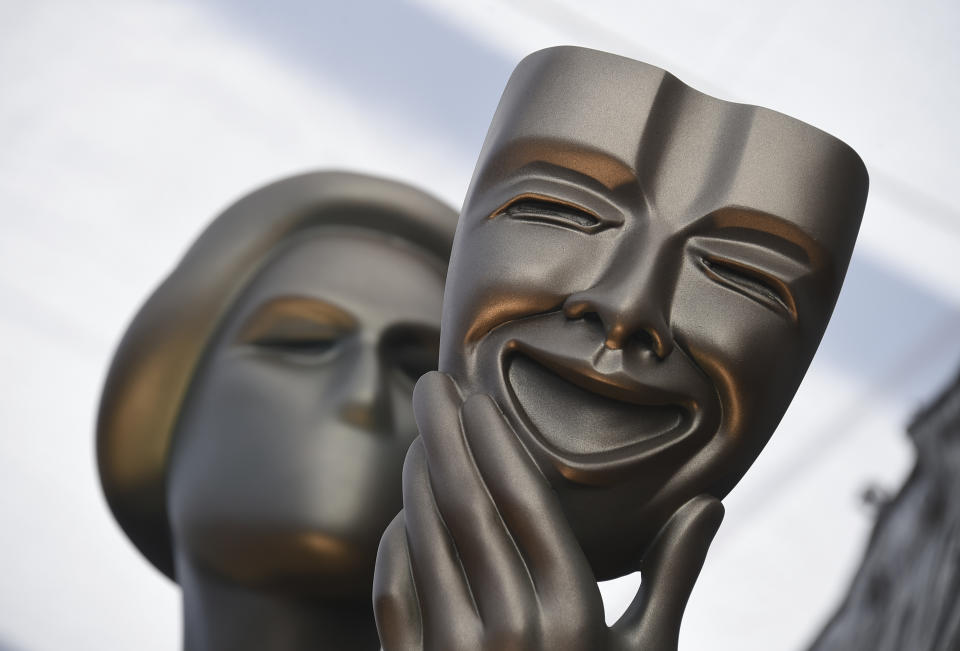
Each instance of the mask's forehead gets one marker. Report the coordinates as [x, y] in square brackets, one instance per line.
[561, 107]
[622, 123]
[779, 166]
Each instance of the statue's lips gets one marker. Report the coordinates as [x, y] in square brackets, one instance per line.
[579, 411]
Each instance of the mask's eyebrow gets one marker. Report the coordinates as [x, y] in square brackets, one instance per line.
[604, 167]
[766, 230]
[296, 317]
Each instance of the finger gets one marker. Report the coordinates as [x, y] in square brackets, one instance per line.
[527, 504]
[669, 571]
[395, 606]
[447, 613]
[494, 569]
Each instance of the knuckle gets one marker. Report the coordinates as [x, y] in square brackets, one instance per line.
[386, 602]
[464, 502]
[508, 639]
[574, 621]
[514, 629]
[390, 582]
[414, 465]
[455, 635]
[388, 594]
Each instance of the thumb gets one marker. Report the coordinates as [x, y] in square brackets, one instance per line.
[669, 570]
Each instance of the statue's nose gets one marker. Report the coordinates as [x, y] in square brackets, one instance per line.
[366, 401]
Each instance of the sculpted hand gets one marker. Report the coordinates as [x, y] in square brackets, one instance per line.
[482, 557]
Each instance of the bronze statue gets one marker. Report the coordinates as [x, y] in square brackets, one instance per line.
[641, 276]
[256, 414]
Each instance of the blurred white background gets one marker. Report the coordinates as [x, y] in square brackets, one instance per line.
[126, 125]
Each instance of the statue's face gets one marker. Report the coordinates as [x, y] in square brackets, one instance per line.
[643, 305]
[287, 459]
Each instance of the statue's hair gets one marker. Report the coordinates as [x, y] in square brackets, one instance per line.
[157, 358]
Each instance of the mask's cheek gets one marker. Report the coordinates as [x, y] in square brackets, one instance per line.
[503, 270]
[752, 355]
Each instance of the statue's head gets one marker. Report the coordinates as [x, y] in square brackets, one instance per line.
[257, 412]
[641, 276]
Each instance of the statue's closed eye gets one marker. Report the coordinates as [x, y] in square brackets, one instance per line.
[751, 282]
[312, 346]
[298, 326]
[536, 209]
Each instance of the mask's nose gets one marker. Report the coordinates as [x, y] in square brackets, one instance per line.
[632, 301]
[366, 403]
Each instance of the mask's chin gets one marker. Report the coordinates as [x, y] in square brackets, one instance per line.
[572, 417]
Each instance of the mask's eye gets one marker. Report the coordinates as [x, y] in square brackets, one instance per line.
[751, 282]
[301, 327]
[535, 209]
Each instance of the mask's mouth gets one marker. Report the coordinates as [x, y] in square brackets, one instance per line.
[581, 413]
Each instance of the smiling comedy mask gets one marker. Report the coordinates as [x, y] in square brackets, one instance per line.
[641, 276]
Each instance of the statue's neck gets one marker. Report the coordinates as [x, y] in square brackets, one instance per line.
[220, 616]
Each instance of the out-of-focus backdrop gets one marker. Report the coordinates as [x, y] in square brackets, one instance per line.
[126, 125]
